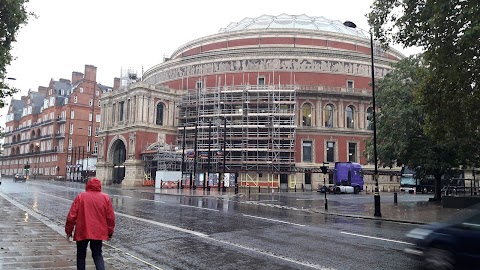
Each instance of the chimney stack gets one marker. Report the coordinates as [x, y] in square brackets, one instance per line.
[76, 76]
[116, 84]
[90, 73]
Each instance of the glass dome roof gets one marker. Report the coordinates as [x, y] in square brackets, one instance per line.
[285, 21]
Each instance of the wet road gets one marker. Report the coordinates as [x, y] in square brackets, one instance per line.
[157, 231]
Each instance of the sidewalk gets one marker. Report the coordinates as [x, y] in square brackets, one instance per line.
[29, 241]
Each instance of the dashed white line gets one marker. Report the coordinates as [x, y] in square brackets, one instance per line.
[377, 238]
[191, 206]
[275, 220]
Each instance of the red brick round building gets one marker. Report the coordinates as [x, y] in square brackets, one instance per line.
[286, 92]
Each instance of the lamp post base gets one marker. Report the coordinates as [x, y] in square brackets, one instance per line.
[377, 212]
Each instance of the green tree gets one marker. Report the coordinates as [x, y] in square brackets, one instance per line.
[449, 33]
[401, 138]
[13, 15]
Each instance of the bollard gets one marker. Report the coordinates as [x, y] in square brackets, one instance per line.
[161, 184]
[395, 197]
[248, 189]
[178, 185]
[303, 189]
[295, 187]
[259, 189]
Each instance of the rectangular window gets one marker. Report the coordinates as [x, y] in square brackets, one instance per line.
[97, 130]
[71, 128]
[261, 81]
[97, 93]
[70, 143]
[114, 109]
[90, 103]
[95, 148]
[81, 89]
[75, 99]
[350, 85]
[88, 146]
[72, 115]
[307, 151]
[198, 85]
[97, 118]
[69, 159]
[330, 151]
[352, 152]
[89, 130]
[120, 110]
[90, 117]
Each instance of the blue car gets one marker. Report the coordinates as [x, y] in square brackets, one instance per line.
[450, 245]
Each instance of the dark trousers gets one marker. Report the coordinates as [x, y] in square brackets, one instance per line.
[96, 248]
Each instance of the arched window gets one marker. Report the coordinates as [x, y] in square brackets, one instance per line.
[350, 116]
[159, 119]
[369, 118]
[307, 115]
[328, 116]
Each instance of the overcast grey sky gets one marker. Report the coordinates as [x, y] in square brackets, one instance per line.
[112, 35]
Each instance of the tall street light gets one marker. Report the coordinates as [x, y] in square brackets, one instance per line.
[377, 212]
[183, 154]
[37, 151]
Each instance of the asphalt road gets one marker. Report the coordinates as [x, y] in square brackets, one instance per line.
[179, 232]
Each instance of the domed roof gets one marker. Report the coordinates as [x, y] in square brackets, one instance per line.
[285, 21]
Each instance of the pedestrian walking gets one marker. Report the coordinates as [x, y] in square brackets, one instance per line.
[92, 217]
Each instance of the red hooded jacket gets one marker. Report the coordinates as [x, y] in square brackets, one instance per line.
[91, 214]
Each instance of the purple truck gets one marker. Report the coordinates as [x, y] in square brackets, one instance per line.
[348, 177]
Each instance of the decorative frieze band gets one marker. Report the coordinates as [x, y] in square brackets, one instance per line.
[248, 65]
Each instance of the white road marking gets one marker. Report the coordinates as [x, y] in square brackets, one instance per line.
[357, 197]
[308, 199]
[168, 226]
[191, 206]
[377, 238]
[275, 220]
[121, 196]
[133, 256]
[151, 200]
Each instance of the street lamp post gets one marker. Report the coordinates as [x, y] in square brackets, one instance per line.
[183, 154]
[192, 181]
[324, 169]
[207, 178]
[37, 151]
[224, 154]
[377, 212]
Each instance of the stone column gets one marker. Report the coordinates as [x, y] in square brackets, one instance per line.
[134, 172]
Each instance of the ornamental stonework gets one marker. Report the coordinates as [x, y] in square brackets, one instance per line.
[297, 65]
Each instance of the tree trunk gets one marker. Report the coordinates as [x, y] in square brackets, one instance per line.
[438, 188]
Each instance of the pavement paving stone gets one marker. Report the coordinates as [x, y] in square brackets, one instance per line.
[28, 243]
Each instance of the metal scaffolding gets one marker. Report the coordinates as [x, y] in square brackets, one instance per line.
[260, 127]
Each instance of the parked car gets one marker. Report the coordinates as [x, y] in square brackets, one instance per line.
[19, 178]
[323, 189]
[450, 245]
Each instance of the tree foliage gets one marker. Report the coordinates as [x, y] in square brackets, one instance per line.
[401, 136]
[13, 15]
[449, 33]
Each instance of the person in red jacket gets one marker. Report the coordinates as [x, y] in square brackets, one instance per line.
[93, 218]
